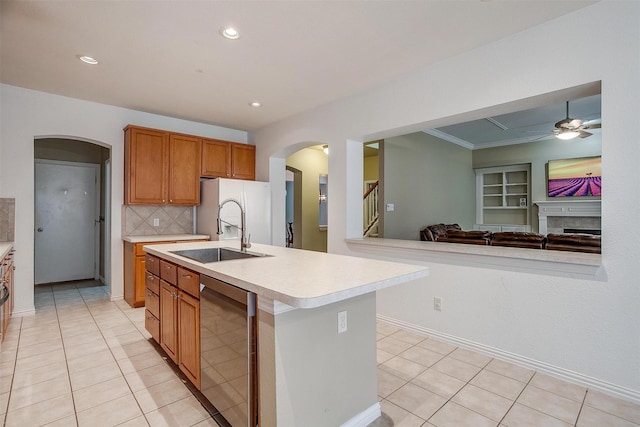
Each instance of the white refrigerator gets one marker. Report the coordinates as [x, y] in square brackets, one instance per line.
[254, 196]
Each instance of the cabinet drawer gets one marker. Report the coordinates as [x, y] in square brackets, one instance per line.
[152, 264]
[168, 272]
[189, 282]
[152, 283]
[152, 302]
[152, 324]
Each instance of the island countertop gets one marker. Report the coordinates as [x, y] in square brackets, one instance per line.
[299, 278]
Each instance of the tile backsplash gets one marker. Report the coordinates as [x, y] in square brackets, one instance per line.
[138, 220]
[7, 220]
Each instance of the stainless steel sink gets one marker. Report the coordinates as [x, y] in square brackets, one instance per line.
[216, 254]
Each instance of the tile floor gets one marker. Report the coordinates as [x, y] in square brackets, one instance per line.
[84, 360]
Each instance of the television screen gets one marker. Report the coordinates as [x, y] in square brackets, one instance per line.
[575, 177]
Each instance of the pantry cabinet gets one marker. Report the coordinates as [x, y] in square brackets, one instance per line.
[161, 167]
[223, 159]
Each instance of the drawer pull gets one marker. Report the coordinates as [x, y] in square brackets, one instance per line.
[186, 276]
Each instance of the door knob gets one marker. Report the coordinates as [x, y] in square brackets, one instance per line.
[40, 230]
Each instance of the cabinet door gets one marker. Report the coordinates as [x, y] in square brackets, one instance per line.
[184, 170]
[189, 337]
[216, 159]
[169, 319]
[243, 161]
[140, 273]
[146, 166]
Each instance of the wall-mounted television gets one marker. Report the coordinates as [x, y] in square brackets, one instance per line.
[575, 177]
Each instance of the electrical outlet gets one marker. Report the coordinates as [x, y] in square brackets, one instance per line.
[390, 207]
[156, 222]
[437, 303]
[342, 322]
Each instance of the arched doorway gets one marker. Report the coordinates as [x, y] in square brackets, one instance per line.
[74, 243]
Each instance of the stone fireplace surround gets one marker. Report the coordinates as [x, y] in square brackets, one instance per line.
[554, 216]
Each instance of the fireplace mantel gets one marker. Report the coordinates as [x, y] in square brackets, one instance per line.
[549, 208]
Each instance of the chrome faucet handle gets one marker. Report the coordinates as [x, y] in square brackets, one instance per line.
[247, 242]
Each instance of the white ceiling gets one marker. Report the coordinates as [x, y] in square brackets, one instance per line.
[166, 57]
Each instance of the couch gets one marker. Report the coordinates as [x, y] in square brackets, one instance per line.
[453, 233]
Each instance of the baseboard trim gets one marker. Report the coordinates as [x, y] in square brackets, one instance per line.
[564, 374]
[23, 313]
[365, 417]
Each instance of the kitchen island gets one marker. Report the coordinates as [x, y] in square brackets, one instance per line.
[309, 373]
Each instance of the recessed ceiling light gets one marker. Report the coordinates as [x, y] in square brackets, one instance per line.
[229, 33]
[255, 104]
[87, 59]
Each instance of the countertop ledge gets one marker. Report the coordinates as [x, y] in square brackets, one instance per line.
[5, 247]
[298, 278]
[164, 238]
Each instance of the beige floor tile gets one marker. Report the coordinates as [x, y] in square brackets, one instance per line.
[88, 338]
[437, 346]
[402, 368]
[35, 393]
[393, 346]
[39, 335]
[98, 394]
[140, 421]
[35, 349]
[386, 328]
[119, 330]
[561, 388]
[510, 370]
[483, 402]
[93, 346]
[110, 413]
[498, 384]
[617, 407]
[149, 377]
[408, 337]
[456, 368]
[140, 361]
[41, 413]
[95, 375]
[382, 356]
[5, 383]
[417, 400]
[162, 394]
[124, 339]
[4, 403]
[83, 328]
[69, 421]
[37, 375]
[439, 383]
[210, 422]
[454, 415]
[394, 416]
[550, 403]
[523, 416]
[184, 412]
[133, 349]
[91, 360]
[388, 383]
[470, 357]
[592, 417]
[420, 355]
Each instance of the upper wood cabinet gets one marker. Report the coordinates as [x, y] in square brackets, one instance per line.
[146, 166]
[161, 167]
[223, 159]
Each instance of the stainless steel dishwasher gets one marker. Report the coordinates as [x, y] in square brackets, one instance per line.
[228, 348]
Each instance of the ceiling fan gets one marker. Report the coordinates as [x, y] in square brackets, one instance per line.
[569, 128]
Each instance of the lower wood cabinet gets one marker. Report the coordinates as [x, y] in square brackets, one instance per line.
[173, 314]
[134, 270]
[7, 280]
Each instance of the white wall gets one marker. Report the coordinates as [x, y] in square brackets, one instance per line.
[590, 327]
[26, 115]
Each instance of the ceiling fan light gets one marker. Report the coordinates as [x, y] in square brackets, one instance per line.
[566, 135]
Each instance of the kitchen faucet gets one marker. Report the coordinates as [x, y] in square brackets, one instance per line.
[244, 241]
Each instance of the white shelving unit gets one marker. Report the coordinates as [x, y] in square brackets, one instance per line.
[502, 198]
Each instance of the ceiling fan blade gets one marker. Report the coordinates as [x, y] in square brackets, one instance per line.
[592, 126]
[584, 134]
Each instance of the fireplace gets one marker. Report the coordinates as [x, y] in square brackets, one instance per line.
[579, 216]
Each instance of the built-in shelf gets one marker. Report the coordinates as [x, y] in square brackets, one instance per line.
[502, 196]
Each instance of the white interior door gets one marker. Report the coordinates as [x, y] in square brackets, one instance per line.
[66, 200]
